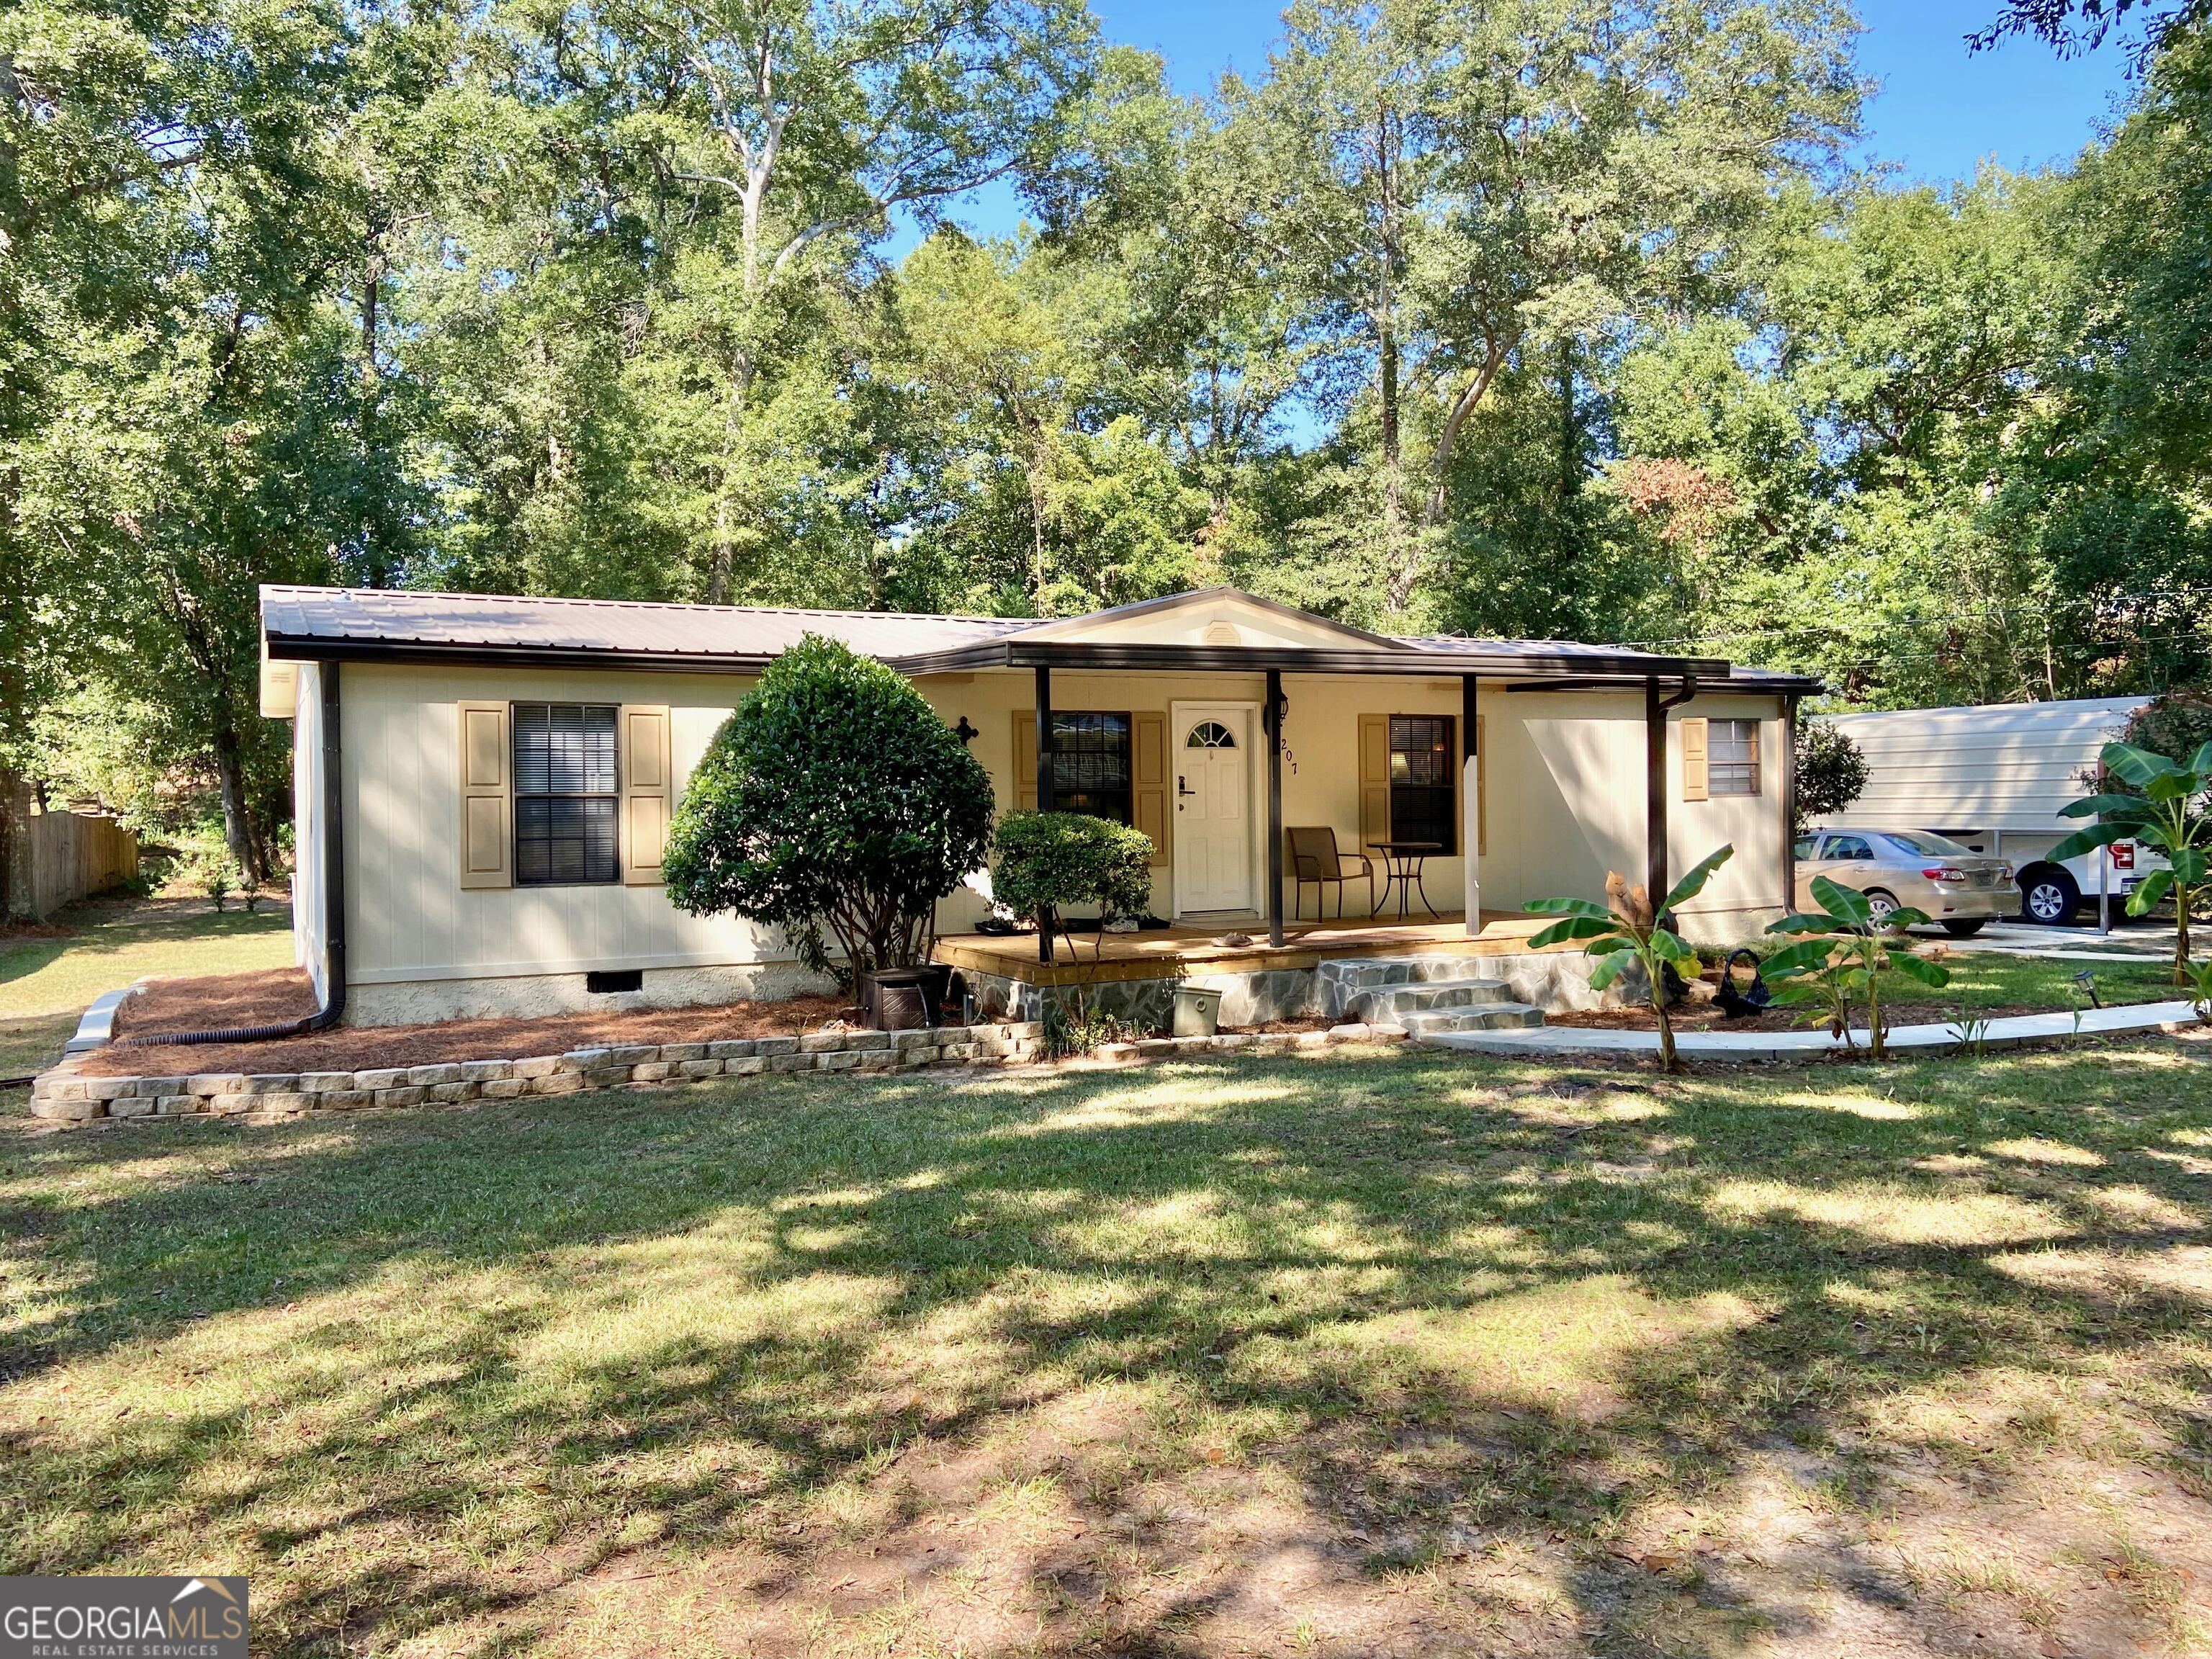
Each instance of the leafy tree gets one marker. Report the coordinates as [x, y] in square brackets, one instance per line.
[833, 797]
[1831, 772]
[1626, 930]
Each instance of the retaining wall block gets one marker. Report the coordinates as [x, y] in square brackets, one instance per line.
[792, 1062]
[184, 1105]
[677, 1053]
[867, 1042]
[217, 1082]
[582, 1060]
[735, 1048]
[231, 1105]
[929, 1037]
[651, 1071]
[635, 1055]
[745, 1066]
[486, 1071]
[61, 1088]
[560, 1083]
[960, 1052]
[543, 1066]
[821, 1043]
[505, 1088]
[57, 1109]
[772, 1046]
[913, 1059]
[841, 1059]
[453, 1094]
[345, 1100]
[393, 1076]
[606, 1076]
[110, 1088]
[432, 1077]
[323, 1083]
[701, 1068]
[133, 1106]
[406, 1095]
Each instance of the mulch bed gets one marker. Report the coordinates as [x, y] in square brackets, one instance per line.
[264, 998]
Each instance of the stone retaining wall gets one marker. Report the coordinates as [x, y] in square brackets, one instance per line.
[66, 1095]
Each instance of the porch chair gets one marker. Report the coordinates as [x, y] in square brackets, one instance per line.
[1314, 857]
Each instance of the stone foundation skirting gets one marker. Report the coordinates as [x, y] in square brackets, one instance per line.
[66, 1095]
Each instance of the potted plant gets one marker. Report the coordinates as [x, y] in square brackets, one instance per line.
[833, 802]
[1050, 860]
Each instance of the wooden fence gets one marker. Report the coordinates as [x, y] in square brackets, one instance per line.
[60, 856]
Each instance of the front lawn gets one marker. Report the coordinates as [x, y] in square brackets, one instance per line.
[1351, 1354]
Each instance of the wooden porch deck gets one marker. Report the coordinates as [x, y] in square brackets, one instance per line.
[1170, 952]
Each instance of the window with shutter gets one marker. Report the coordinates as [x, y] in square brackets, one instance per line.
[1696, 759]
[565, 793]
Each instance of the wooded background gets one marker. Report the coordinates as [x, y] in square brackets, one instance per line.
[1520, 317]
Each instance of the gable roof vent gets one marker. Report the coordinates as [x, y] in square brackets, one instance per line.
[1222, 632]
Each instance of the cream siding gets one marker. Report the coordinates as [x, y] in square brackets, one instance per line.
[1564, 803]
[310, 933]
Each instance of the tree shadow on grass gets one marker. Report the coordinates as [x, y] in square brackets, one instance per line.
[417, 1370]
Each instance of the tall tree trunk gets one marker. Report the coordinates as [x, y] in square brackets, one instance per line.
[237, 818]
[1386, 326]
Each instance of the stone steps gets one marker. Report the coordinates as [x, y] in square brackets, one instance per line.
[1426, 994]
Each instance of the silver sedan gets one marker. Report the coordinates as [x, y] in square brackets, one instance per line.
[1899, 869]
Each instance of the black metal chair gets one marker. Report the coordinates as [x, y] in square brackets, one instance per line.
[1315, 859]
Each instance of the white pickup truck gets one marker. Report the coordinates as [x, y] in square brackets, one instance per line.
[1993, 778]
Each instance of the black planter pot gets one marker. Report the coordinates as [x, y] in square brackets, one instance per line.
[904, 998]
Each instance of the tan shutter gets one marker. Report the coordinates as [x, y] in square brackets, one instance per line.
[1374, 779]
[647, 790]
[1148, 767]
[1697, 776]
[486, 837]
[1025, 781]
[1481, 786]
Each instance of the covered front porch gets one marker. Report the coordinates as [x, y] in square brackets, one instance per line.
[1181, 952]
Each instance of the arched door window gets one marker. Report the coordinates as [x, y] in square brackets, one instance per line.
[1210, 734]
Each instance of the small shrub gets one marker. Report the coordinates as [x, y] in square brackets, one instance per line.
[1050, 860]
[1831, 772]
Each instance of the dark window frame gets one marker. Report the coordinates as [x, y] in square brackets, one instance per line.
[1424, 802]
[567, 830]
[1094, 763]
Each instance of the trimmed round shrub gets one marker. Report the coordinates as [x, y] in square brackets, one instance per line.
[832, 798]
[1050, 860]
[1831, 772]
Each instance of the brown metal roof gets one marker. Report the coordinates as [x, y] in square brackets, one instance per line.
[407, 626]
[299, 620]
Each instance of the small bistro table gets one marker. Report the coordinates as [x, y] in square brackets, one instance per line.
[1401, 863]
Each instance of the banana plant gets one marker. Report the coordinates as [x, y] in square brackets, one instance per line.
[2171, 814]
[1626, 928]
[1843, 958]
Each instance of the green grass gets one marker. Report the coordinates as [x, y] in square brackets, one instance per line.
[46, 982]
[1988, 979]
[112, 943]
[1338, 1355]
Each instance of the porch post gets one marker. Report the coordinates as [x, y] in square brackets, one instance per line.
[1789, 805]
[1655, 794]
[1470, 786]
[1271, 723]
[1044, 786]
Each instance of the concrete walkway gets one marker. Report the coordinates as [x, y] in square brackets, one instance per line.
[1776, 1046]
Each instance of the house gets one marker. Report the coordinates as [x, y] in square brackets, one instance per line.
[482, 782]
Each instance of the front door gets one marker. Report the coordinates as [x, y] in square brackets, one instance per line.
[1213, 807]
